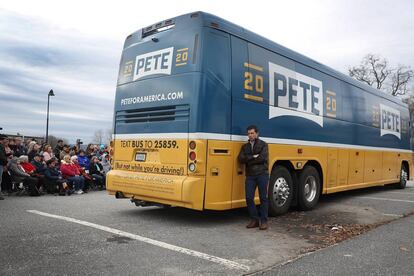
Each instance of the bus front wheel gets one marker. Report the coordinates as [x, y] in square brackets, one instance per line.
[403, 178]
[280, 191]
[309, 188]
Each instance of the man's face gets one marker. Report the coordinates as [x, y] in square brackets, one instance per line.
[18, 142]
[252, 134]
[37, 158]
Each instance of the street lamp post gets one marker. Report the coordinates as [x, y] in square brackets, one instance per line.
[51, 94]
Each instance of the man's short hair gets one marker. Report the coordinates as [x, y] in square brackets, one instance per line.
[2, 137]
[252, 127]
[50, 161]
[60, 141]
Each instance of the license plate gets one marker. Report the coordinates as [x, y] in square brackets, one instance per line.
[140, 156]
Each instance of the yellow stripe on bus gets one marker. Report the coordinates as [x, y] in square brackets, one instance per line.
[252, 66]
[254, 98]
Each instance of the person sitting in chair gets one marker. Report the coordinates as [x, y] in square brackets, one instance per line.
[20, 176]
[97, 171]
[54, 180]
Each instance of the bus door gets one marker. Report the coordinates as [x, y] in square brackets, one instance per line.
[219, 175]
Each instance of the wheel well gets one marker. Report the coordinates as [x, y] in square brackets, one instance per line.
[318, 167]
[285, 163]
[405, 163]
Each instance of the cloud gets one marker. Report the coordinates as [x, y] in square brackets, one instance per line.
[75, 51]
[36, 56]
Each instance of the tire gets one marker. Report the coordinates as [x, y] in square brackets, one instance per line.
[309, 188]
[403, 178]
[280, 192]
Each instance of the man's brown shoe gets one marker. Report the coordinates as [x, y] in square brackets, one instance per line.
[253, 224]
[263, 226]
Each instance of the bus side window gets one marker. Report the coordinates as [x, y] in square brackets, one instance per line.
[217, 56]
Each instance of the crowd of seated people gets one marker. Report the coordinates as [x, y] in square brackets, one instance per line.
[38, 169]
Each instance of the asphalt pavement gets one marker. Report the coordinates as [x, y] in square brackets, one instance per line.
[386, 250]
[95, 233]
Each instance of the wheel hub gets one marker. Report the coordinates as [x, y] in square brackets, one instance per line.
[310, 188]
[281, 191]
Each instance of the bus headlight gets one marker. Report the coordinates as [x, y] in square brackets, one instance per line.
[192, 167]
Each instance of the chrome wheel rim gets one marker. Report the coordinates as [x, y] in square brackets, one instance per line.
[310, 188]
[281, 191]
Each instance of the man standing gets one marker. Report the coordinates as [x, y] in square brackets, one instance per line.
[255, 155]
[58, 149]
[18, 148]
[3, 160]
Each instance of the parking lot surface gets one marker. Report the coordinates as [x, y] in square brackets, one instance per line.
[98, 234]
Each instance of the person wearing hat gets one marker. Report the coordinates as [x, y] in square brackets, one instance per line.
[39, 164]
[3, 160]
[54, 180]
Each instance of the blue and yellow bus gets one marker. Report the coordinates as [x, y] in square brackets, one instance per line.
[189, 86]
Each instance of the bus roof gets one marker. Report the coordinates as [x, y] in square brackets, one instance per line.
[209, 20]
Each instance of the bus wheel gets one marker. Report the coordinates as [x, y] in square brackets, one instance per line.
[280, 191]
[403, 178]
[309, 188]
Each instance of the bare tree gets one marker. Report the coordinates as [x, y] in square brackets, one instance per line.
[400, 80]
[108, 136]
[98, 136]
[376, 71]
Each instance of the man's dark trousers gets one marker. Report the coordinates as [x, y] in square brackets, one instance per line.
[260, 181]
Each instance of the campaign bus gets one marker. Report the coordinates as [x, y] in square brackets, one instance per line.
[189, 86]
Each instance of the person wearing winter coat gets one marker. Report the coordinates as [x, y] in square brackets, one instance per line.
[20, 176]
[88, 178]
[96, 171]
[48, 153]
[39, 164]
[106, 164]
[18, 148]
[58, 149]
[33, 150]
[54, 178]
[83, 160]
[72, 174]
[3, 161]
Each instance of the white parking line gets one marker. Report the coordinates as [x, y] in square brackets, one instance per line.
[387, 199]
[393, 215]
[218, 260]
[402, 193]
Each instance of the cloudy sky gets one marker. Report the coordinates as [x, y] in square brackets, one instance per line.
[74, 48]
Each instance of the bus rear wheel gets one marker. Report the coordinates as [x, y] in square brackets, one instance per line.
[309, 188]
[403, 178]
[280, 191]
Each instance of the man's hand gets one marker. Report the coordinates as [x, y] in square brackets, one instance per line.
[255, 156]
